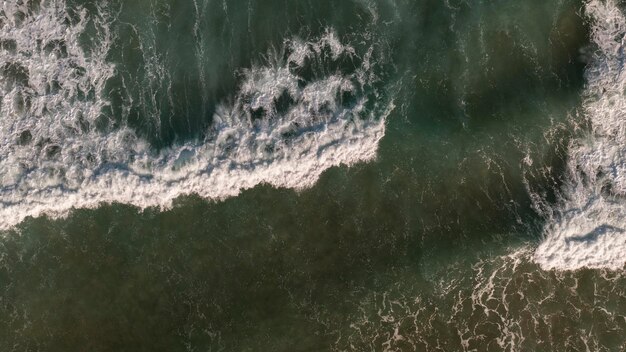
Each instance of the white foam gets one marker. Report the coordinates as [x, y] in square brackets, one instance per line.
[53, 159]
[589, 228]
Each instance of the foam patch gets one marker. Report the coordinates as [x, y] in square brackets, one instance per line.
[589, 229]
[289, 121]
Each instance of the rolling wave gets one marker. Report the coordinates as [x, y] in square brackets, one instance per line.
[310, 105]
[590, 223]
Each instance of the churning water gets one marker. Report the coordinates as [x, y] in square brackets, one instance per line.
[363, 175]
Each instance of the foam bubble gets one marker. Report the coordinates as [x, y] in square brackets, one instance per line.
[589, 228]
[284, 126]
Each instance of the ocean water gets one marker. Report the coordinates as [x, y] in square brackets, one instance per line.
[298, 175]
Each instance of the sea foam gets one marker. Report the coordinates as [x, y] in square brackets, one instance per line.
[589, 227]
[278, 128]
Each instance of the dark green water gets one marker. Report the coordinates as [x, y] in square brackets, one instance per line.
[428, 247]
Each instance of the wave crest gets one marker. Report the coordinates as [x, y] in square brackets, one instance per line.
[309, 106]
[589, 229]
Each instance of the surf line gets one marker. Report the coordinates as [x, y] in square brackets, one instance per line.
[587, 229]
[282, 126]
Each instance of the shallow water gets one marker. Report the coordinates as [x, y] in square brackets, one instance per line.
[302, 176]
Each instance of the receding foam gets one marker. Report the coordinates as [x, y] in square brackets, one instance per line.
[589, 228]
[278, 128]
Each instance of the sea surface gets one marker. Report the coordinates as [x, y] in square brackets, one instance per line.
[312, 175]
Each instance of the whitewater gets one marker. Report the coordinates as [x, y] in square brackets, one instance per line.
[588, 228]
[58, 150]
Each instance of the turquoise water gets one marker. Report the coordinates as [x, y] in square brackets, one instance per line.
[295, 176]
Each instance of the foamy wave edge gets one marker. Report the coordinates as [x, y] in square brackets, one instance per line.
[588, 229]
[52, 161]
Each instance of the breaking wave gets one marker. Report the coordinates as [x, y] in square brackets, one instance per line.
[309, 106]
[589, 229]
